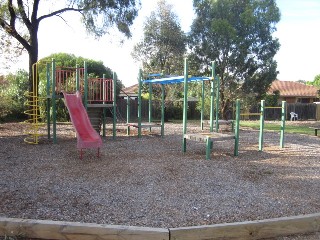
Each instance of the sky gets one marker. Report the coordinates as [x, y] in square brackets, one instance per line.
[297, 31]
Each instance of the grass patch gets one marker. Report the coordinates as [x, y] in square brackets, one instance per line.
[298, 129]
[270, 126]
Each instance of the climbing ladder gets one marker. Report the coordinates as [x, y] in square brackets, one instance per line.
[34, 119]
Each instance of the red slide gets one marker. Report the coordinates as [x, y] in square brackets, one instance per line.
[87, 137]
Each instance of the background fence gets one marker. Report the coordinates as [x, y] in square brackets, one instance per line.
[305, 111]
[173, 110]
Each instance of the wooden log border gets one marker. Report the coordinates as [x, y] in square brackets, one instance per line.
[259, 229]
[59, 230]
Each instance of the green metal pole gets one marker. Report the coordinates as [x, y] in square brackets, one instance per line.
[162, 110]
[202, 105]
[150, 104]
[104, 109]
[237, 129]
[208, 148]
[261, 125]
[139, 103]
[77, 78]
[85, 85]
[213, 74]
[54, 107]
[283, 123]
[185, 105]
[114, 128]
[48, 99]
[217, 103]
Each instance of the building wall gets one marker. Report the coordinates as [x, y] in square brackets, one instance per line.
[297, 99]
[287, 99]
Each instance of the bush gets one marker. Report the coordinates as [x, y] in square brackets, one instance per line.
[12, 96]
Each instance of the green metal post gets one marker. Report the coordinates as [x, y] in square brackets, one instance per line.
[213, 74]
[48, 99]
[139, 103]
[217, 103]
[162, 110]
[208, 148]
[128, 115]
[283, 123]
[202, 105]
[54, 106]
[104, 109]
[185, 105]
[150, 104]
[77, 78]
[261, 132]
[237, 129]
[85, 85]
[114, 128]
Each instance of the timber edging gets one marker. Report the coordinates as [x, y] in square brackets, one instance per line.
[259, 229]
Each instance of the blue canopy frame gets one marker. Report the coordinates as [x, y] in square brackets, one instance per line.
[154, 79]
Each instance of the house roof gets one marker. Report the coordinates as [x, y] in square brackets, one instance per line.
[130, 91]
[293, 89]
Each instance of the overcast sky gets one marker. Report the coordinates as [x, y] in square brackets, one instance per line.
[298, 32]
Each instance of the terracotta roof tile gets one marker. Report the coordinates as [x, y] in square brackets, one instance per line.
[293, 89]
[132, 90]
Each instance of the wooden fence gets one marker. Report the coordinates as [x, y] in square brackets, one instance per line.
[173, 110]
[305, 111]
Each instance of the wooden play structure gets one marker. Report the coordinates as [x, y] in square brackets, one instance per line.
[92, 95]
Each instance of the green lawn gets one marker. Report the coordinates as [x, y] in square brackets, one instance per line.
[274, 126]
[299, 129]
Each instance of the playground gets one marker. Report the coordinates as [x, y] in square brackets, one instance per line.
[150, 182]
[145, 177]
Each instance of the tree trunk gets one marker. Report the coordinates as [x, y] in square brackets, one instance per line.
[33, 76]
[33, 58]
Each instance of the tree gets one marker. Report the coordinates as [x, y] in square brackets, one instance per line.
[12, 95]
[163, 44]
[19, 19]
[315, 82]
[237, 35]
[9, 51]
[94, 68]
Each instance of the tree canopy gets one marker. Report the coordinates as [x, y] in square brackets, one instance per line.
[237, 35]
[12, 95]
[163, 44]
[162, 48]
[21, 19]
[315, 82]
[95, 69]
